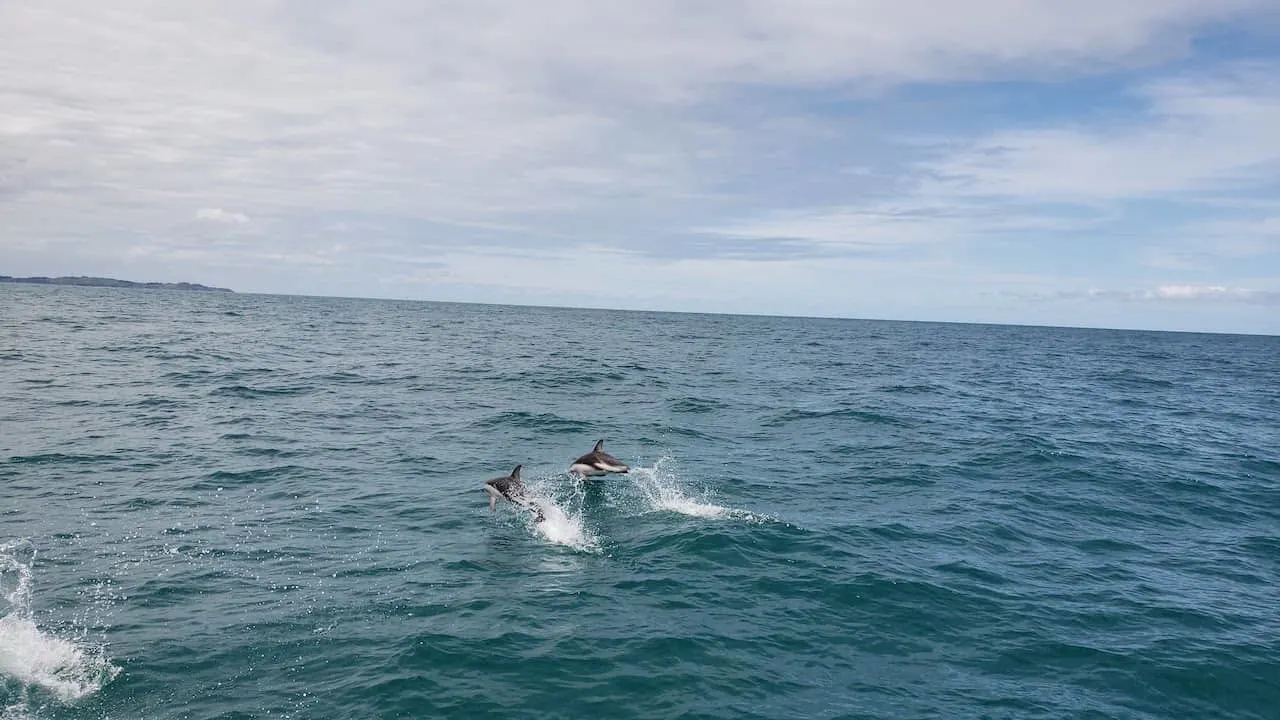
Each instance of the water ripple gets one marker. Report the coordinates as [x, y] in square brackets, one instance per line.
[252, 506]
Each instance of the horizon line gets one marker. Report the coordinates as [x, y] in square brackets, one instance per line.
[602, 308]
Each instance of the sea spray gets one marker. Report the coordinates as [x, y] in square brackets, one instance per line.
[562, 506]
[662, 489]
[35, 660]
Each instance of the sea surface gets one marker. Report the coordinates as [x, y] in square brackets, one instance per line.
[247, 506]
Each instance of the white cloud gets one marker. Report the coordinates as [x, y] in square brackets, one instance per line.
[869, 228]
[1198, 137]
[474, 110]
[221, 216]
[1179, 293]
[1192, 292]
[1199, 134]
[915, 221]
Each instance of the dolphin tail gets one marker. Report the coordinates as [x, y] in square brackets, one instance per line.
[492, 502]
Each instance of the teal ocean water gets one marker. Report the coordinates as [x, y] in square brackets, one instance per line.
[239, 506]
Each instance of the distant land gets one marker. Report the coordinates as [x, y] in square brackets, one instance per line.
[112, 282]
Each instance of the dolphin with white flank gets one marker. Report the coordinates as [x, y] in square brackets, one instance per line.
[598, 462]
[511, 489]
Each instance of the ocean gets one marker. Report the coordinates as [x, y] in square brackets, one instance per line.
[250, 506]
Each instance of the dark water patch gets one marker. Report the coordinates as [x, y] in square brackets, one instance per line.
[1110, 547]
[918, 479]
[1264, 467]
[77, 402]
[861, 416]
[270, 452]
[343, 377]
[158, 402]
[169, 356]
[69, 460]
[188, 375]
[255, 476]
[696, 406]
[253, 393]
[665, 434]
[398, 380]
[1134, 379]
[136, 503]
[171, 592]
[921, 389]
[961, 569]
[565, 378]
[548, 422]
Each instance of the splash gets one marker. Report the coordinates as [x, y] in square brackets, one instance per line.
[661, 490]
[37, 660]
[562, 508]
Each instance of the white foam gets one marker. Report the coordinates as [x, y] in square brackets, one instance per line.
[563, 522]
[662, 490]
[685, 506]
[36, 659]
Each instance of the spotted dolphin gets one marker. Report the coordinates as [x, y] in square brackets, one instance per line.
[511, 489]
[598, 462]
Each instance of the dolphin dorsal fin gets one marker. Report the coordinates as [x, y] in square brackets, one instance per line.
[516, 473]
[599, 446]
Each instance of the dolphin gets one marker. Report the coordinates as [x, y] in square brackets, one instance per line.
[511, 489]
[598, 462]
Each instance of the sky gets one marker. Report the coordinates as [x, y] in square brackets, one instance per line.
[1077, 162]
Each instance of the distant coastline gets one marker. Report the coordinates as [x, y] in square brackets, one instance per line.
[112, 282]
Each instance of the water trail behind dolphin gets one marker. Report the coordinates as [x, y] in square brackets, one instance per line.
[562, 507]
[662, 490]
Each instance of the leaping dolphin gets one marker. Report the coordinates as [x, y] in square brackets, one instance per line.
[598, 462]
[511, 489]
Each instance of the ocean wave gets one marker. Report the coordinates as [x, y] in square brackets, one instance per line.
[1134, 379]
[696, 405]
[59, 458]
[252, 393]
[566, 378]
[912, 389]
[546, 422]
[866, 416]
